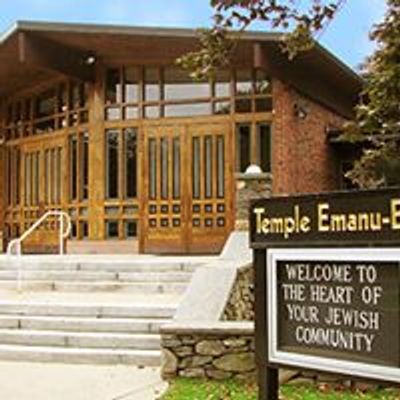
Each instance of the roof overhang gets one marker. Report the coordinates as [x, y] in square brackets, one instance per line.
[31, 52]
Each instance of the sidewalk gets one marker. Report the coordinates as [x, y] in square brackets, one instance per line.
[31, 381]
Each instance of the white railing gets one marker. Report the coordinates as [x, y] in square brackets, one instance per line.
[64, 231]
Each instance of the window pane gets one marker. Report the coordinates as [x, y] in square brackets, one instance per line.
[85, 166]
[222, 86]
[152, 112]
[244, 85]
[131, 112]
[264, 104]
[131, 229]
[112, 164]
[45, 104]
[196, 168]
[131, 85]
[164, 159]
[243, 134]
[177, 168]
[262, 84]
[84, 229]
[222, 107]
[152, 84]
[152, 168]
[220, 167]
[112, 229]
[113, 87]
[113, 113]
[243, 106]
[131, 162]
[264, 146]
[179, 86]
[187, 110]
[208, 162]
[17, 176]
[73, 168]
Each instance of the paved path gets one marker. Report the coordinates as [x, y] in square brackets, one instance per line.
[29, 381]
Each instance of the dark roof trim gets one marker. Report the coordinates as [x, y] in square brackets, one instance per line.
[36, 26]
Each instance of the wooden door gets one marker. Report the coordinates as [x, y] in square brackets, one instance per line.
[211, 187]
[188, 188]
[163, 203]
[43, 176]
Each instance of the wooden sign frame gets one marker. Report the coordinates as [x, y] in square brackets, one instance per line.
[268, 382]
[315, 362]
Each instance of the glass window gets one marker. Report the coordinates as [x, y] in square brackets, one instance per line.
[131, 85]
[264, 146]
[196, 167]
[243, 147]
[112, 229]
[73, 167]
[130, 229]
[152, 84]
[262, 83]
[208, 166]
[62, 98]
[220, 166]
[244, 83]
[222, 107]
[45, 105]
[131, 162]
[84, 229]
[164, 161]
[176, 168]
[112, 150]
[152, 112]
[179, 86]
[113, 86]
[187, 110]
[152, 169]
[222, 85]
[85, 166]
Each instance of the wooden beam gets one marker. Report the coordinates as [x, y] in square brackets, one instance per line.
[46, 54]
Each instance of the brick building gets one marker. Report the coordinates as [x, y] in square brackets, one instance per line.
[98, 121]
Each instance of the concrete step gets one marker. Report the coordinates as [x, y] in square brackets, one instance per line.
[95, 276]
[83, 324]
[100, 286]
[80, 356]
[80, 339]
[86, 310]
[157, 265]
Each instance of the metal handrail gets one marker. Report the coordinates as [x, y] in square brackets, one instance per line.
[63, 234]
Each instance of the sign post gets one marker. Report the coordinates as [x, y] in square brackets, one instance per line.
[327, 280]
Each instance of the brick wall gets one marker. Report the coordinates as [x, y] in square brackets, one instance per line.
[303, 160]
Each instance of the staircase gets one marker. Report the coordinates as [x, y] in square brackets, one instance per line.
[89, 309]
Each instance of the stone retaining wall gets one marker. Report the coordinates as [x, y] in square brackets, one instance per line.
[240, 306]
[220, 351]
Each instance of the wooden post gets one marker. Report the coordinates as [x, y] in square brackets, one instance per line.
[96, 157]
[268, 383]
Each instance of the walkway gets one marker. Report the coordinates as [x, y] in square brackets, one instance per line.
[28, 381]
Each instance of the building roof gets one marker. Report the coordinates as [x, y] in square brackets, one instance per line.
[31, 52]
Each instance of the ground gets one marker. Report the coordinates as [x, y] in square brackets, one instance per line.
[27, 381]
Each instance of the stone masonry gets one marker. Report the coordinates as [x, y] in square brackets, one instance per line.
[240, 306]
[213, 355]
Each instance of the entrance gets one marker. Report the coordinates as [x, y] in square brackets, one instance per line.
[188, 187]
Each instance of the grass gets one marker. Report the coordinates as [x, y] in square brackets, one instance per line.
[189, 389]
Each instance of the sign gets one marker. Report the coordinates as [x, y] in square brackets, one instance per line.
[335, 310]
[356, 218]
